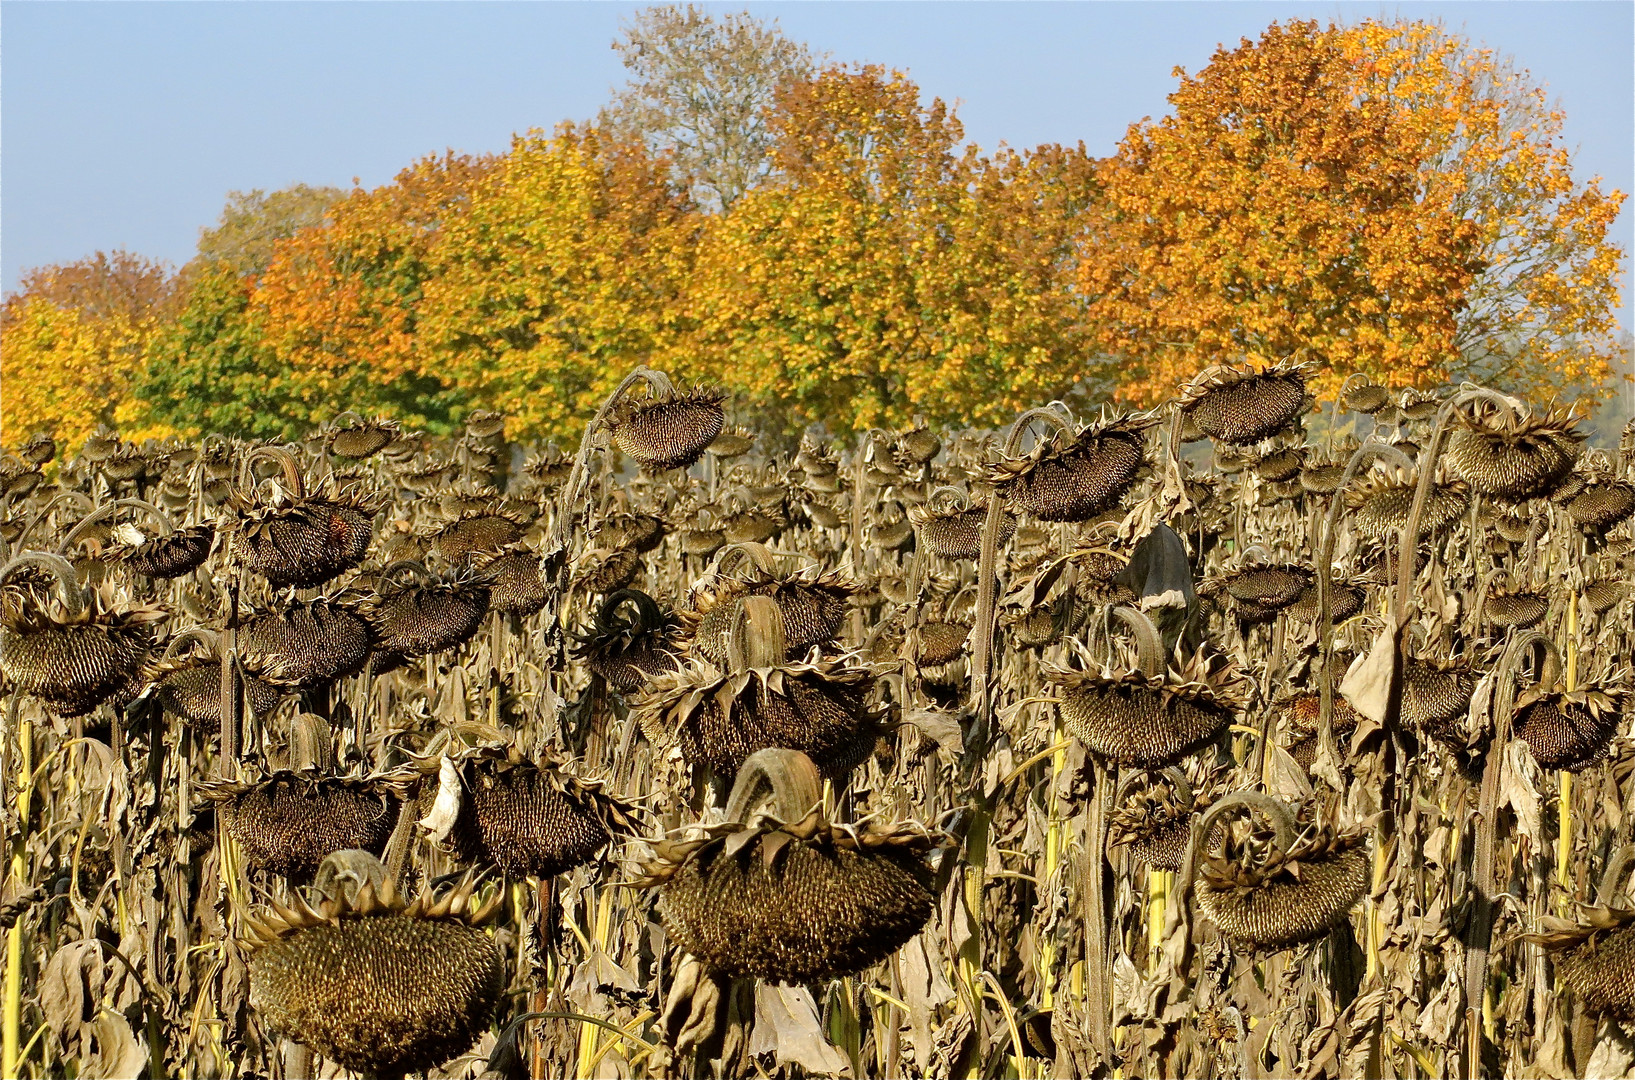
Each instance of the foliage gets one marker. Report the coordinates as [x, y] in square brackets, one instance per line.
[253, 222]
[886, 269]
[73, 338]
[698, 91]
[1382, 197]
[563, 268]
[340, 301]
[211, 370]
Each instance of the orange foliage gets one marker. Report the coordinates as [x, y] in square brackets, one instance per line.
[1381, 198]
[339, 301]
[71, 341]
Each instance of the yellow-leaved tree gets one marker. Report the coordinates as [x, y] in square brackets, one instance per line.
[559, 275]
[71, 340]
[885, 268]
[1382, 198]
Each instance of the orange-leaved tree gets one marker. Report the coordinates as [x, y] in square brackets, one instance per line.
[72, 339]
[887, 269]
[340, 301]
[1381, 198]
[560, 274]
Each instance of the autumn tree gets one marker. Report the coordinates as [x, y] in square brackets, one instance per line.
[562, 272]
[1380, 198]
[886, 268]
[253, 221]
[698, 92]
[340, 302]
[72, 338]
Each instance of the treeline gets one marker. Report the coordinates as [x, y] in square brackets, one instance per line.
[1382, 198]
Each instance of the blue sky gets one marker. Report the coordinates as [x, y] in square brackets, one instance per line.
[126, 124]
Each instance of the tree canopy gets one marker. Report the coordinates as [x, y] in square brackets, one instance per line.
[823, 242]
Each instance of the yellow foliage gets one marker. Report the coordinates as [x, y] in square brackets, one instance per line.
[65, 370]
[560, 273]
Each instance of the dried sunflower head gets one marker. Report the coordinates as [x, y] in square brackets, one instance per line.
[668, 431]
[718, 716]
[477, 532]
[1153, 813]
[73, 651]
[1514, 609]
[1436, 698]
[1366, 397]
[1602, 505]
[1383, 502]
[954, 531]
[307, 645]
[529, 817]
[169, 555]
[189, 686]
[790, 897]
[303, 541]
[427, 616]
[1075, 478]
[1242, 407]
[1571, 729]
[514, 584]
[362, 438]
[1302, 716]
[377, 985]
[1272, 889]
[814, 604]
[1595, 956]
[1510, 457]
[631, 639]
[288, 821]
[1148, 721]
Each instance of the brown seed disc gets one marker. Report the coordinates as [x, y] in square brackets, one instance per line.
[289, 823]
[1281, 465]
[305, 545]
[808, 913]
[827, 720]
[514, 585]
[958, 534]
[668, 434]
[1515, 610]
[1383, 512]
[1571, 738]
[1243, 409]
[306, 646]
[384, 995]
[1435, 701]
[1131, 724]
[361, 441]
[1601, 971]
[1270, 586]
[941, 641]
[75, 667]
[1601, 506]
[520, 821]
[1511, 466]
[480, 533]
[194, 694]
[1322, 479]
[1366, 398]
[1279, 913]
[425, 619]
[181, 552]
